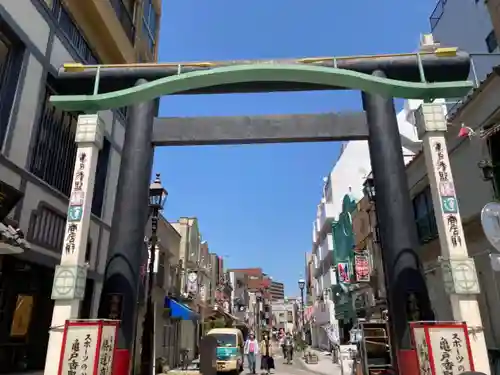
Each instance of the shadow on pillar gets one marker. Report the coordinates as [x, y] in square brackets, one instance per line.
[408, 297]
[131, 211]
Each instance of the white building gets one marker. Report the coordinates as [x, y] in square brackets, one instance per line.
[283, 314]
[466, 24]
[347, 177]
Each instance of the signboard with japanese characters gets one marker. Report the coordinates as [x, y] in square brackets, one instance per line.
[422, 350]
[442, 348]
[343, 272]
[76, 206]
[362, 267]
[446, 192]
[88, 347]
[107, 349]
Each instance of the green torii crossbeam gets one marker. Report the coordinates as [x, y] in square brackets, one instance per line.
[305, 72]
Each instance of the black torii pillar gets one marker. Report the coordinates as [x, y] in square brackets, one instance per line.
[126, 244]
[405, 280]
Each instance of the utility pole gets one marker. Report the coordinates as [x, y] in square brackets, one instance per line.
[67, 297]
[458, 269]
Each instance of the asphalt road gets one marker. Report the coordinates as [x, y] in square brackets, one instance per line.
[296, 368]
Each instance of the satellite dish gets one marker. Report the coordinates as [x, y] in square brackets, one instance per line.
[490, 221]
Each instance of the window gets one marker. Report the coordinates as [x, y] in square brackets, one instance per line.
[54, 152]
[494, 147]
[424, 216]
[124, 12]
[71, 32]
[149, 20]
[100, 178]
[11, 54]
[491, 41]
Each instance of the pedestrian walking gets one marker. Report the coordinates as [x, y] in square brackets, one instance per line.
[266, 359]
[251, 349]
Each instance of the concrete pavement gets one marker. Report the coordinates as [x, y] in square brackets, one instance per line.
[298, 367]
[325, 366]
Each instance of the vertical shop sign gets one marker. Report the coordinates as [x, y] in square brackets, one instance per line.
[343, 272]
[447, 195]
[362, 267]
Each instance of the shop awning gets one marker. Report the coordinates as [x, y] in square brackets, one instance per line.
[179, 310]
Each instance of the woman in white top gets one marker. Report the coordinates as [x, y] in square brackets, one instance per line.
[251, 349]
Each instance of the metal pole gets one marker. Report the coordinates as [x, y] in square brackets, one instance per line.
[394, 211]
[89, 138]
[129, 220]
[302, 306]
[148, 327]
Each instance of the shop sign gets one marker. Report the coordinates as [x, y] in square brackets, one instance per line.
[362, 267]
[106, 352]
[447, 197]
[88, 347]
[442, 348]
[343, 272]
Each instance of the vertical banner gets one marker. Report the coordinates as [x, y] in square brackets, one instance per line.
[343, 272]
[362, 268]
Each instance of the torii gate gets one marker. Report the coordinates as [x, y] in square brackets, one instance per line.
[440, 73]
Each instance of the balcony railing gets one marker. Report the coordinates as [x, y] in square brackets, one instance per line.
[54, 154]
[46, 228]
[71, 32]
[125, 19]
[437, 13]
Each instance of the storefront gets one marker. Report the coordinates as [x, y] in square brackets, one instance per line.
[25, 314]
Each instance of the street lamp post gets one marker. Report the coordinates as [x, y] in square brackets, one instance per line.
[258, 297]
[302, 284]
[157, 195]
[369, 189]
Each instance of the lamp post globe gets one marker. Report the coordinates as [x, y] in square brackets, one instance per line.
[302, 284]
[157, 194]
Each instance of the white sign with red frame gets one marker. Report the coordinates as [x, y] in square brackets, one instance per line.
[442, 348]
[88, 347]
[362, 267]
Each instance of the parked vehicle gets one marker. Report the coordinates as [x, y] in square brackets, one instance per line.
[229, 349]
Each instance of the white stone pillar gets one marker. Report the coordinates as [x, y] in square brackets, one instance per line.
[458, 269]
[70, 276]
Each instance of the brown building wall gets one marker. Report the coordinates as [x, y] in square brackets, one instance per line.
[109, 33]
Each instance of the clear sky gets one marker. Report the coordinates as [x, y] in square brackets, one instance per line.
[256, 203]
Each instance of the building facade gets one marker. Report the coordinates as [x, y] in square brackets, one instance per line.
[474, 164]
[248, 282]
[38, 150]
[194, 272]
[474, 32]
[370, 294]
[277, 290]
[283, 314]
[328, 251]
[165, 285]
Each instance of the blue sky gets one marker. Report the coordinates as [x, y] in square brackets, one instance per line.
[256, 203]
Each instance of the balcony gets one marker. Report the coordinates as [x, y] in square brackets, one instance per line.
[326, 217]
[315, 236]
[125, 18]
[437, 13]
[326, 246]
[317, 272]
